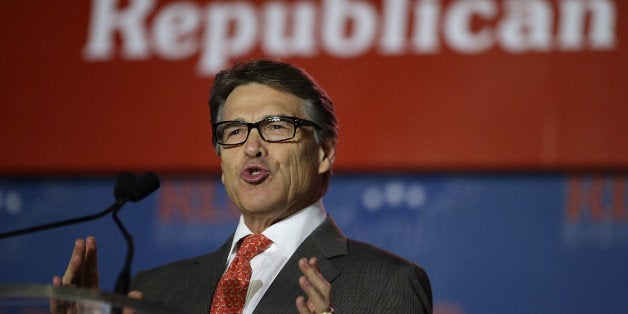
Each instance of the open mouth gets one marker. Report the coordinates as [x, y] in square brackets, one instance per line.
[254, 174]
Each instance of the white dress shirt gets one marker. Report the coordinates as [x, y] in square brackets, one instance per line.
[286, 235]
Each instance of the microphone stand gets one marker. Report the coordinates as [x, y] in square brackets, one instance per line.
[116, 206]
[137, 190]
[122, 192]
[122, 283]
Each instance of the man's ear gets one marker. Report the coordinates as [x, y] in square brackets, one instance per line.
[326, 157]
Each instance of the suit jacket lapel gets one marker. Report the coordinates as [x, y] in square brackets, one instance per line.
[326, 242]
[208, 270]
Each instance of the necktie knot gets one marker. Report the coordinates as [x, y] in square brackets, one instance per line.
[253, 245]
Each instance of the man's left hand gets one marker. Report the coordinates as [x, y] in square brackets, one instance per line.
[318, 290]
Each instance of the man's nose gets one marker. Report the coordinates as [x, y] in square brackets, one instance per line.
[255, 146]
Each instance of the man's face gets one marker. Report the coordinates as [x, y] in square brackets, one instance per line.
[270, 181]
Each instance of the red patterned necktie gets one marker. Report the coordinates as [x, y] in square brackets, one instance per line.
[230, 294]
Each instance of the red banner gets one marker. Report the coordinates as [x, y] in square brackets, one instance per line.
[108, 85]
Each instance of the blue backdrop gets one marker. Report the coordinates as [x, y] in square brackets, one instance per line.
[491, 243]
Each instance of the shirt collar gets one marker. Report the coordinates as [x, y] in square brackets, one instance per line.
[288, 233]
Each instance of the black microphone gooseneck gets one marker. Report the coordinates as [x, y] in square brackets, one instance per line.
[138, 189]
[122, 192]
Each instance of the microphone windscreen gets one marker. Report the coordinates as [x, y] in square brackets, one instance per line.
[143, 186]
[124, 185]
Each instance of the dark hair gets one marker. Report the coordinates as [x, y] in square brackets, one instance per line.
[284, 77]
[281, 76]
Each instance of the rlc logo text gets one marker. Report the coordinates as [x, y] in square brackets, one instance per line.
[596, 199]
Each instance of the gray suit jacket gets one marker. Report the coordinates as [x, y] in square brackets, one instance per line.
[364, 279]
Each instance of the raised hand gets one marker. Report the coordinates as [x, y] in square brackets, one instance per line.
[82, 272]
[317, 289]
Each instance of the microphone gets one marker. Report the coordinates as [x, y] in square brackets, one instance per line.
[143, 186]
[124, 186]
[125, 189]
[137, 190]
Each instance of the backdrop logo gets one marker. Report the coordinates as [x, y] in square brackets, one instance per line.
[194, 201]
[220, 31]
[10, 202]
[596, 212]
[394, 194]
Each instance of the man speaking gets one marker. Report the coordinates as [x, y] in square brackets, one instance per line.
[275, 131]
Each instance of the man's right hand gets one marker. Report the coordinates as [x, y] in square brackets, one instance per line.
[82, 272]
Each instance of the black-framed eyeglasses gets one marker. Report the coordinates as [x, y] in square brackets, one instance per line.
[271, 129]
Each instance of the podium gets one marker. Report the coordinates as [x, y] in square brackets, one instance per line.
[24, 298]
